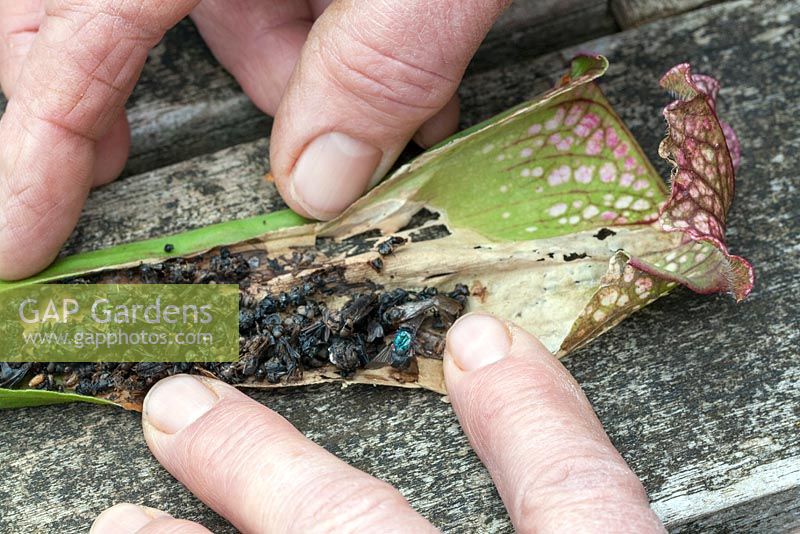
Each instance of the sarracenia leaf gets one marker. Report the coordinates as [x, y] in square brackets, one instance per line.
[702, 191]
[705, 152]
[162, 248]
[27, 398]
[561, 164]
[549, 213]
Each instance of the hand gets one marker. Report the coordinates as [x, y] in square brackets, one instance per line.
[525, 416]
[349, 82]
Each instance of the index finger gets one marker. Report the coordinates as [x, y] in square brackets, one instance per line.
[255, 469]
[79, 72]
[537, 434]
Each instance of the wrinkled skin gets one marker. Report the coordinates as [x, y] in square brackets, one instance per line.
[525, 416]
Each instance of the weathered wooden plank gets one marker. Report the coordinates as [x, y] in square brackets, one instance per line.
[532, 28]
[522, 13]
[228, 184]
[698, 393]
[777, 513]
[630, 13]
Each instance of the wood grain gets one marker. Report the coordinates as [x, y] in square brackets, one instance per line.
[699, 394]
[630, 13]
[777, 512]
[224, 185]
[531, 28]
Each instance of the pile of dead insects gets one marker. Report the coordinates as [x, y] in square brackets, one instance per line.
[280, 335]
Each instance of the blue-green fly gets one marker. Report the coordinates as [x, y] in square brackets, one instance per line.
[409, 316]
[401, 348]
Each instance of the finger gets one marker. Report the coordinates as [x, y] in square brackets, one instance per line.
[440, 126]
[19, 24]
[79, 71]
[255, 469]
[535, 431]
[257, 41]
[370, 74]
[112, 152]
[130, 518]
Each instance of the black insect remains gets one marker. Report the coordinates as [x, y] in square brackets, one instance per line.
[388, 247]
[604, 233]
[376, 264]
[12, 373]
[572, 256]
[371, 328]
[321, 320]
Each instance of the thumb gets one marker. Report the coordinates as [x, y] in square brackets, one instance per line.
[370, 74]
[535, 431]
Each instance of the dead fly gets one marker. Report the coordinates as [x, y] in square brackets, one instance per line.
[348, 353]
[436, 312]
[281, 335]
[283, 364]
[312, 343]
[444, 307]
[376, 264]
[354, 312]
[388, 246]
[227, 267]
[12, 374]
[399, 352]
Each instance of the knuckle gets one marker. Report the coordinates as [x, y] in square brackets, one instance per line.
[14, 35]
[583, 476]
[132, 20]
[227, 443]
[578, 467]
[504, 396]
[389, 82]
[102, 47]
[358, 502]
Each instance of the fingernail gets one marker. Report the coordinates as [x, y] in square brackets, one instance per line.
[125, 518]
[177, 402]
[478, 340]
[332, 172]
